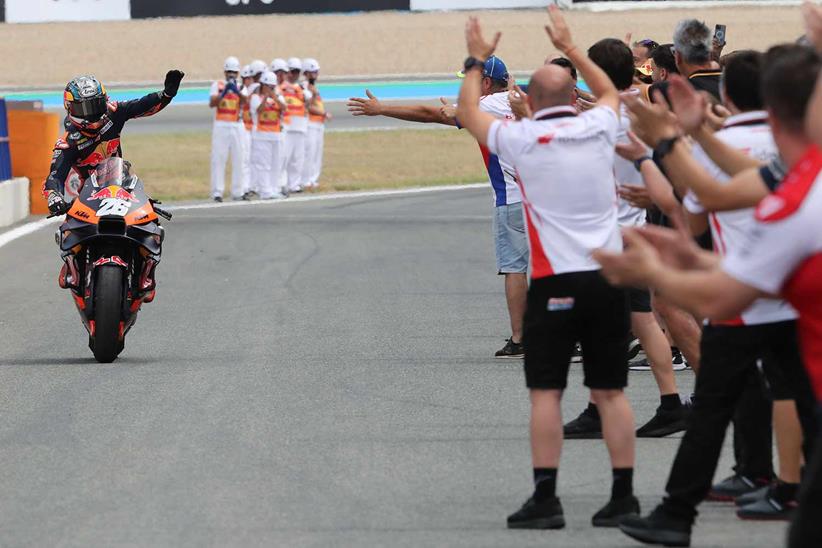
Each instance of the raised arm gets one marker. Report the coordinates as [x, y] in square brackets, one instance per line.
[469, 114]
[371, 106]
[600, 84]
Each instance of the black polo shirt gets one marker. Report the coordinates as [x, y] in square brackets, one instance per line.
[701, 80]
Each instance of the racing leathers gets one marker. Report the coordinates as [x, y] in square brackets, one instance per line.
[83, 150]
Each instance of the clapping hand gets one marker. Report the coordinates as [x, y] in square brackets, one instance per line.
[478, 47]
[652, 122]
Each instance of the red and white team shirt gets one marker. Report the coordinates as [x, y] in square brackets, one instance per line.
[784, 254]
[730, 230]
[565, 166]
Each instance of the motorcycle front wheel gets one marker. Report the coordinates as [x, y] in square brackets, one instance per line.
[108, 305]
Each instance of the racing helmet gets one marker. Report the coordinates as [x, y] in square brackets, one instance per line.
[86, 102]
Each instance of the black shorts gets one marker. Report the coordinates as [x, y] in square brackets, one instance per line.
[570, 308]
[640, 300]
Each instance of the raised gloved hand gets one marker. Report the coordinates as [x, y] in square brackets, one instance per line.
[57, 205]
[172, 84]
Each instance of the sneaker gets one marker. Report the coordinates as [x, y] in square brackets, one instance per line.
[511, 350]
[587, 426]
[768, 508]
[640, 365]
[576, 357]
[678, 360]
[218, 199]
[731, 487]
[752, 496]
[665, 422]
[657, 528]
[615, 511]
[546, 514]
[634, 347]
[243, 198]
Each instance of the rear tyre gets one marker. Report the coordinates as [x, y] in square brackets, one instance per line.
[108, 304]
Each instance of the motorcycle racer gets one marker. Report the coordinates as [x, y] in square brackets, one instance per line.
[93, 125]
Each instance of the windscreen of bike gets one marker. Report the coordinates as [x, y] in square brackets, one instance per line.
[109, 172]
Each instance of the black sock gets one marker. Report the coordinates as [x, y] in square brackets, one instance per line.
[623, 485]
[670, 401]
[545, 483]
[785, 492]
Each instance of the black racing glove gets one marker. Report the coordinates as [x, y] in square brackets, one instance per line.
[172, 84]
[57, 205]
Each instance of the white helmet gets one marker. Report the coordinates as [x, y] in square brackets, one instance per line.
[268, 79]
[246, 72]
[279, 64]
[232, 64]
[294, 63]
[311, 65]
[258, 67]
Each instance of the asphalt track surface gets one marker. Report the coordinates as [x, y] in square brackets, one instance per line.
[311, 374]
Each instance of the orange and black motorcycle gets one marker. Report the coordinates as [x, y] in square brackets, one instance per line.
[111, 243]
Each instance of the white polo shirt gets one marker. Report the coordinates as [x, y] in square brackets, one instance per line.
[500, 170]
[730, 230]
[564, 163]
[626, 173]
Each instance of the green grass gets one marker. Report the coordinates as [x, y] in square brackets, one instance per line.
[177, 166]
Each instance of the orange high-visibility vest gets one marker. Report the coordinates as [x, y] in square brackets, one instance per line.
[268, 119]
[318, 103]
[228, 109]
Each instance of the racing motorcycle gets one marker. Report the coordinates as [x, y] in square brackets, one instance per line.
[111, 242]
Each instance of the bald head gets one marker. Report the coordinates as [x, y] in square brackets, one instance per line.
[550, 86]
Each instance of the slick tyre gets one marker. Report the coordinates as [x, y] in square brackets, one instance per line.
[108, 305]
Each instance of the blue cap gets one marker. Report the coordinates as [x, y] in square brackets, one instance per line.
[494, 68]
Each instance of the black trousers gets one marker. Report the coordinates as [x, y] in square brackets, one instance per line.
[806, 529]
[753, 439]
[729, 367]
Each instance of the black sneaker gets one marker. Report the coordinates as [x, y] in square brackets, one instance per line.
[768, 508]
[511, 350]
[678, 361]
[587, 426]
[218, 199]
[752, 496]
[731, 487]
[612, 513]
[657, 528]
[640, 365]
[634, 348]
[576, 357]
[546, 514]
[665, 422]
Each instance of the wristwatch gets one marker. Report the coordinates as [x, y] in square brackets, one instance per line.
[638, 162]
[470, 63]
[665, 146]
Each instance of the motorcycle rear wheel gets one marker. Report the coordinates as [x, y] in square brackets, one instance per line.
[108, 305]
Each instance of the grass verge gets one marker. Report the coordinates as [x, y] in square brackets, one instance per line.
[176, 166]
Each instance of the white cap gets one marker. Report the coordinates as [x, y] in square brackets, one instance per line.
[294, 63]
[268, 79]
[246, 72]
[232, 64]
[279, 64]
[311, 65]
[258, 67]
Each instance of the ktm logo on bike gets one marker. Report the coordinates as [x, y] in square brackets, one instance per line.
[113, 191]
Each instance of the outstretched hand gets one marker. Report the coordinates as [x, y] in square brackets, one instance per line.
[558, 30]
[813, 23]
[478, 47]
[358, 106]
[448, 111]
[172, 83]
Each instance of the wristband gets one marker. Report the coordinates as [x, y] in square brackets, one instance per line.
[470, 63]
[638, 162]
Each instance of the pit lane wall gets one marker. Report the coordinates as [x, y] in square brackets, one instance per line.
[39, 11]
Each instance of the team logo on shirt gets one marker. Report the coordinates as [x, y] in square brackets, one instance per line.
[770, 205]
[545, 139]
[557, 304]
